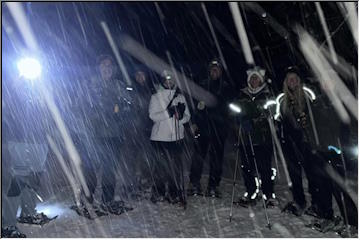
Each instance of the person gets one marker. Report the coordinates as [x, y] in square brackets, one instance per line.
[334, 147]
[299, 147]
[25, 124]
[143, 88]
[256, 145]
[169, 112]
[110, 115]
[209, 127]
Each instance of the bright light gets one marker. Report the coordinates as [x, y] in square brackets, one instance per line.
[355, 150]
[278, 98]
[235, 108]
[29, 68]
[338, 151]
[309, 91]
[50, 210]
[269, 103]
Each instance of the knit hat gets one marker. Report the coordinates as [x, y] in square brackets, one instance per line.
[258, 72]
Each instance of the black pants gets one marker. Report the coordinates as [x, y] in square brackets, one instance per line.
[108, 154]
[299, 155]
[346, 205]
[262, 157]
[168, 168]
[212, 140]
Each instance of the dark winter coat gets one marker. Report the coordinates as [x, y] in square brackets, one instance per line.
[298, 128]
[209, 119]
[142, 96]
[104, 97]
[253, 117]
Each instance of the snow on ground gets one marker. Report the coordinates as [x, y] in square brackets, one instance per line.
[204, 217]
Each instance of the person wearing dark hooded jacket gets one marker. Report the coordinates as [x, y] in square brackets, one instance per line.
[209, 127]
[169, 112]
[299, 145]
[110, 116]
[256, 140]
[317, 159]
[142, 88]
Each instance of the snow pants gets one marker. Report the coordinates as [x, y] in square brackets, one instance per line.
[262, 157]
[168, 168]
[210, 142]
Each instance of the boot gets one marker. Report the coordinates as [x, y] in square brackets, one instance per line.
[348, 231]
[11, 232]
[312, 211]
[294, 208]
[115, 207]
[247, 200]
[195, 189]
[213, 192]
[271, 202]
[326, 225]
[36, 219]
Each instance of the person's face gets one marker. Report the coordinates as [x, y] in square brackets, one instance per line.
[140, 78]
[106, 69]
[169, 82]
[255, 81]
[292, 81]
[215, 72]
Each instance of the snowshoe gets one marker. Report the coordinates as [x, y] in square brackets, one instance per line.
[213, 192]
[98, 211]
[272, 202]
[325, 225]
[245, 201]
[348, 231]
[116, 207]
[312, 211]
[36, 219]
[293, 208]
[156, 198]
[11, 232]
[81, 211]
[195, 190]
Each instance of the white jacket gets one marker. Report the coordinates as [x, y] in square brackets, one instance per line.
[164, 129]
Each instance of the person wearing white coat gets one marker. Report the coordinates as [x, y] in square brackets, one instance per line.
[169, 112]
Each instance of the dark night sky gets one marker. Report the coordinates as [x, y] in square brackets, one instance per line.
[187, 37]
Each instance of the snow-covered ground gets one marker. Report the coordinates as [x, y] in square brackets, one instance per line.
[204, 217]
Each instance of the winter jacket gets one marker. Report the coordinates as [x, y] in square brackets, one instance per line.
[254, 117]
[208, 118]
[296, 127]
[142, 123]
[105, 98]
[164, 128]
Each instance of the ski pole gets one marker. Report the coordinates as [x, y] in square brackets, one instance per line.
[342, 192]
[235, 172]
[257, 173]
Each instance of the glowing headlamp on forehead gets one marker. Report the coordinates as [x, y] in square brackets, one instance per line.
[168, 77]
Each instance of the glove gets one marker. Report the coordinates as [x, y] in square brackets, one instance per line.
[180, 110]
[171, 111]
[303, 120]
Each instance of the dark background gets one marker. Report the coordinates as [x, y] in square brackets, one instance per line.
[71, 36]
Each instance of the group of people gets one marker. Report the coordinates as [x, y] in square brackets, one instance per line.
[136, 132]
